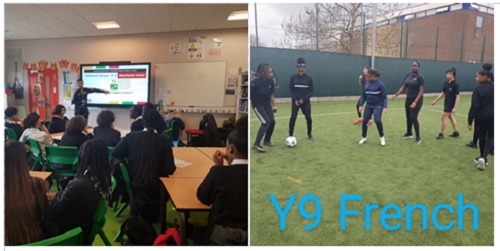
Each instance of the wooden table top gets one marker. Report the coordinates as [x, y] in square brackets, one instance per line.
[41, 175]
[182, 191]
[198, 164]
[122, 131]
[209, 151]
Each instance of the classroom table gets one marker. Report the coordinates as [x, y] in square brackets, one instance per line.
[209, 151]
[182, 192]
[191, 163]
[41, 175]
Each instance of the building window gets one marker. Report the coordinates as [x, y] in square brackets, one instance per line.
[479, 21]
[430, 12]
[421, 14]
[457, 6]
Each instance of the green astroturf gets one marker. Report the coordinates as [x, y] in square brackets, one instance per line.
[400, 173]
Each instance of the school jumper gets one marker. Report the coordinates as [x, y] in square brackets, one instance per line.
[482, 112]
[226, 189]
[15, 126]
[301, 88]
[74, 139]
[375, 95]
[261, 91]
[110, 135]
[58, 124]
[146, 201]
[413, 81]
[137, 125]
[75, 206]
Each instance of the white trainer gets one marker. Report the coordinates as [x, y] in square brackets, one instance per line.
[481, 165]
[382, 141]
[362, 141]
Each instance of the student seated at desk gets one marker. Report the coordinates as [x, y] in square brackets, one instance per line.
[76, 204]
[58, 122]
[150, 157]
[105, 130]
[13, 121]
[135, 113]
[226, 189]
[28, 217]
[160, 125]
[76, 132]
[34, 129]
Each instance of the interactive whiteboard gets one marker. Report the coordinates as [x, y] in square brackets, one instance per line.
[191, 83]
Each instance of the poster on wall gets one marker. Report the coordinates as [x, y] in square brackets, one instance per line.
[196, 48]
[177, 48]
[215, 47]
[69, 78]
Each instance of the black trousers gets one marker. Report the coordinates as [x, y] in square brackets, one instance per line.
[376, 111]
[266, 117]
[412, 115]
[306, 110]
[485, 133]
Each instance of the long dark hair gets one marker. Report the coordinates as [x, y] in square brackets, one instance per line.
[239, 137]
[31, 120]
[150, 156]
[58, 109]
[22, 217]
[93, 162]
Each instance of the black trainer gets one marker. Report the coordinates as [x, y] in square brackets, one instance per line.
[418, 141]
[471, 145]
[407, 136]
[310, 137]
[258, 148]
[440, 136]
[455, 134]
[268, 143]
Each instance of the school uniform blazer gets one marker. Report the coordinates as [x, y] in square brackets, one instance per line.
[15, 126]
[137, 125]
[58, 124]
[226, 189]
[74, 139]
[75, 206]
[108, 134]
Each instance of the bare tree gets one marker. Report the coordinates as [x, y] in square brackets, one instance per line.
[340, 27]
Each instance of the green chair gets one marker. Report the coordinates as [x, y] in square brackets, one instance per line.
[62, 155]
[71, 238]
[36, 153]
[98, 223]
[168, 133]
[10, 134]
[110, 151]
[128, 187]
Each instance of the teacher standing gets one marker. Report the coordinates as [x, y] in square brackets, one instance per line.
[80, 98]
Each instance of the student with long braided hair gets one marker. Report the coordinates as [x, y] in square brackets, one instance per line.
[262, 98]
[76, 204]
[28, 217]
[150, 157]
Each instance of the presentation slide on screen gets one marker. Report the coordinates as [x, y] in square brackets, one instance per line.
[127, 84]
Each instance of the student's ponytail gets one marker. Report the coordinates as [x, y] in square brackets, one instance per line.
[486, 71]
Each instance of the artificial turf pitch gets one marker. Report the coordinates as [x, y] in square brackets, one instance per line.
[401, 173]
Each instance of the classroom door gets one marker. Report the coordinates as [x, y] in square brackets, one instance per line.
[43, 91]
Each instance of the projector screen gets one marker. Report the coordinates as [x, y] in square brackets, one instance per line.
[127, 83]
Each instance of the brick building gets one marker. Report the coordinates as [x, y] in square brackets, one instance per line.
[460, 32]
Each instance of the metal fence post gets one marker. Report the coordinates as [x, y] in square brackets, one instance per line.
[437, 44]
[461, 47]
[482, 50]
[256, 27]
[401, 41]
[407, 44]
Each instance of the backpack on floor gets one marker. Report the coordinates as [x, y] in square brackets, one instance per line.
[139, 232]
[171, 237]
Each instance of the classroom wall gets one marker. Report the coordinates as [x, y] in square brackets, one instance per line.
[336, 74]
[152, 48]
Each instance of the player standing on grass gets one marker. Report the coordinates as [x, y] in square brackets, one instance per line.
[451, 97]
[414, 83]
[482, 112]
[301, 89]
[361, 82]
[376, 101]
[262, 98]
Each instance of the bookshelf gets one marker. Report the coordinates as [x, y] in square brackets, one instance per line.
[242, 100]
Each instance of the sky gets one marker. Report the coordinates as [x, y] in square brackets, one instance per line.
[270, 17]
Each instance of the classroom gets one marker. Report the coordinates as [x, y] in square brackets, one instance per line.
[126, 126]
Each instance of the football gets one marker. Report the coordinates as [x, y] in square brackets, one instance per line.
[291, 141]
